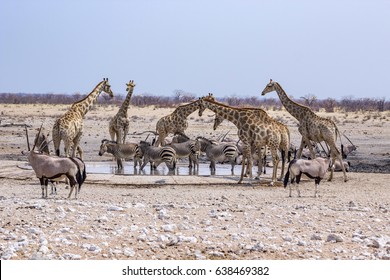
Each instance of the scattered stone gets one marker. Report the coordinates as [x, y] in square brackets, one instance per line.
[287, 238]
[169, 228]
[334, 238]
[70, 256]
[102, 219]
[115, 208]
[315, 237]
[59, 209]
[163, 214]
[128, 252]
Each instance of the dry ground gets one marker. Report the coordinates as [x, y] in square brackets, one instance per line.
[193, 217]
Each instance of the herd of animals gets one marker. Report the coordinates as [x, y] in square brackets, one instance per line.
[257, 132]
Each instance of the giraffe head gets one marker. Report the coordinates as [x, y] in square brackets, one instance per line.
[269, 87]
[202, 107]
[130, 85]
[107, 88]
[217, 121]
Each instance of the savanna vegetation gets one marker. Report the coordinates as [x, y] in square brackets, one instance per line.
[345, 104]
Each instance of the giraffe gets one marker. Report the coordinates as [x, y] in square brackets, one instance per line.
[311, 126]
[176, 122]
[284, 145]
[119, 124]
[69, 127]
[252, 131]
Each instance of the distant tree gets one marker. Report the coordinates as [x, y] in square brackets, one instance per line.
[381, 104]
[181, 96]
[329, 104]
[309, 100]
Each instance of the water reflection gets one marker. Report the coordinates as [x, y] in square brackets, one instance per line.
[181, 169]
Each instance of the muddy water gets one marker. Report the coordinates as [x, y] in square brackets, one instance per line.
[181, 169]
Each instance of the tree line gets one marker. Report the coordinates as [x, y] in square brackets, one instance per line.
[347, 104]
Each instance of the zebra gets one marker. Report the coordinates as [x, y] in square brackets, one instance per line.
[121, 151]
[218, 152]
[184, 147]
[156, 155]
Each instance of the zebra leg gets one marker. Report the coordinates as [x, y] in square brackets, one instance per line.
[212, 167]
[146, 160]
[119, 163]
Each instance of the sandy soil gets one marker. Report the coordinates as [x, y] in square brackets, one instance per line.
[192, 217]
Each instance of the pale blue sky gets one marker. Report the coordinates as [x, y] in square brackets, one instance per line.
[331, 48]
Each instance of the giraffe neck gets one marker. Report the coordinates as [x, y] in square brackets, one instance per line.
[126, 103]
[84, 105]
[298, 111]
[188, 109]
[226, 112]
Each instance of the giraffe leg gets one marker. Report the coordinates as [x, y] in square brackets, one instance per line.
[283, 153]
[336, 154]
[260, 162]
[67, 144]
[76, 147]
[275, 162]
[299, 153]
[246, 158]
[242, 169]
[125, 131]
[160, 140]
[80, 152]
[312, 153]
[112, 133]
[119, 136]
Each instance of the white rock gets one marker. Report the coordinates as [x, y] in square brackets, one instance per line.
[70, 256]
[205, 222]
[8, 253]
[43, 249]
[334, 238]
[34, 230]
[315, 237]
[115, 208]
[163, 238]
[258, 247]
[69, 209]
[59, 209]
[169, 228]
[133, 227]
[142, 237]
[139, 205]
[128, 252]
[287, 238]
[217, 254]
[163, 214]
[198, 255]
[87, 236]
[65, 230]
[187, 239]
[43, 241]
